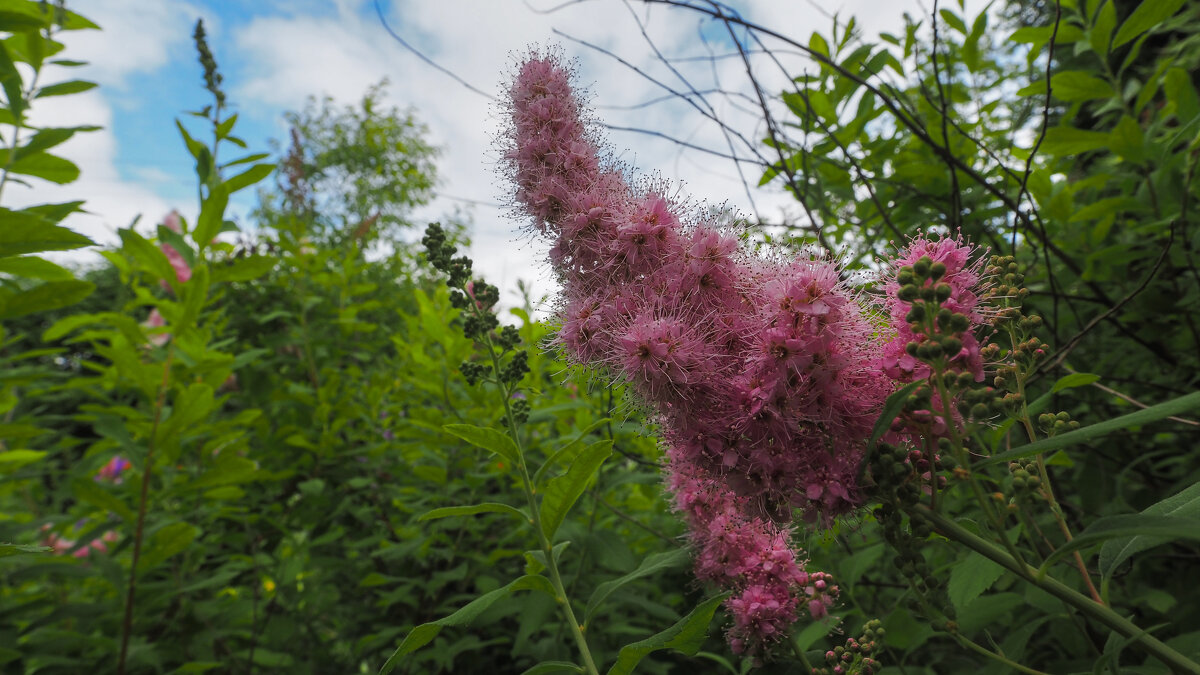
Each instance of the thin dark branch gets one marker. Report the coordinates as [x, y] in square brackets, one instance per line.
[404, 43]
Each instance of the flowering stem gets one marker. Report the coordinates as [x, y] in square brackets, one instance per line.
[1047, 489]
[127, 622]
[560, 593]
[956, 440]
[1153, 646]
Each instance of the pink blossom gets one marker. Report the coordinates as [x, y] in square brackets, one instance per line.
[765, 376]
[182, 271]
[156, 320]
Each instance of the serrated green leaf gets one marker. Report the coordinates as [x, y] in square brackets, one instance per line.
[1147, 15]
[685, 636]
[653, 564]
[491, 507]
[488, 439]
[970, 577]
[562, 492]
[1185, 504]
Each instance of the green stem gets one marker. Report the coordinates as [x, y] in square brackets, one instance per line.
[160, 402]
[995, 656]
[800, 655]
[560, 592]
[1153, 646]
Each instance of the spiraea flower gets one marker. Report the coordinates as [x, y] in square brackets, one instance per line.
[763, 374]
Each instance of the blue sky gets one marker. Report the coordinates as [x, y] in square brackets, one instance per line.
[274, 54]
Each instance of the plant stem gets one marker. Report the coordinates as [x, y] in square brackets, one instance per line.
[127, 622]
[1177, 662]
[995, 656]
[547, 548]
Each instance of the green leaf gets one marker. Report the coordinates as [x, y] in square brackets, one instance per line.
[229, 469]
[561, 452]
[168, 541]
[32, 267]
[17, 549]
[64, 88]
[212, 214]
[11, 460]
[685, 636]
[10, 80]
[244, 269]
[27, 232]
[249, 177]
[971, 577]
[490, 507]
[1151, 414]
[47, 167]
[44, 297]
[1148, 15]
[488, 439]
[547, 667]
[1167, 528]
[653, 564]
[953, 20]
[1128, 140]
[423, 634]
[91, 492]
[1075, 85]
[1073, 380]
[563, 491]
[891, 410]
[148, 256]
[1061, 141]
[1185, 504]
[1102, 29]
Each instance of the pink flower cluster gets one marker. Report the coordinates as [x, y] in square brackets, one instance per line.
[762, 373]
[62, 546]
[964, 275]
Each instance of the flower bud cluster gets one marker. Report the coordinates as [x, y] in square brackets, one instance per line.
[900, 478]
[855, 658]
[1056, 423]
[479, 321]
[1026, 479]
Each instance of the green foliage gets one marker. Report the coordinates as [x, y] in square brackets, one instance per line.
[1066, 136]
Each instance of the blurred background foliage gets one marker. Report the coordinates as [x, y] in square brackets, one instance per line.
[282, 416]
